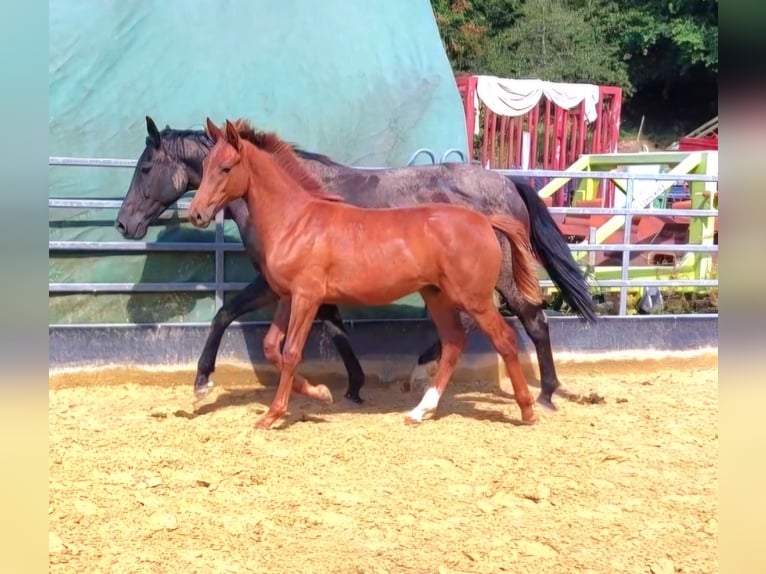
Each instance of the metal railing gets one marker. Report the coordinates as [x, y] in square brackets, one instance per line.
[219, 247]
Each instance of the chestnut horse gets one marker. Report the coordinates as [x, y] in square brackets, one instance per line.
[316, 249]
[171, 165]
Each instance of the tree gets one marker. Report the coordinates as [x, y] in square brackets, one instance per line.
[556, 41]
[467, 28]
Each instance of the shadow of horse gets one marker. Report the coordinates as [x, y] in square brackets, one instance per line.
[481, 400]
[182, 306]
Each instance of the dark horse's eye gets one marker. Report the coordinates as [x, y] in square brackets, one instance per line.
[146, 167]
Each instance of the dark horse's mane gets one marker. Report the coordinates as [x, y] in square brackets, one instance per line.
[184, 144]
[285, 156]
[179, 139]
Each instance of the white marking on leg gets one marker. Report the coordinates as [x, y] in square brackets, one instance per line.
[427, 404]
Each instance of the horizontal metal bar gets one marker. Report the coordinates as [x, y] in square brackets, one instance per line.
[644, 247]
[142, 246]
[113, 162]
[658, 211]
[655, 283]
[104, 203]
[142, 287]
[91, 162]
[238, 286]
[633, 319]
[555, 174]
[190, 246]
[128, 287]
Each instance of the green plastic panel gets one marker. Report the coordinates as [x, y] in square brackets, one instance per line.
[365, 82]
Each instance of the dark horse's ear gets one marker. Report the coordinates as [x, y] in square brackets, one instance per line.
[232, 135]
[154, 133]
[212, 130]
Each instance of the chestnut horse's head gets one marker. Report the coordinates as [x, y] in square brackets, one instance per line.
[225, 177]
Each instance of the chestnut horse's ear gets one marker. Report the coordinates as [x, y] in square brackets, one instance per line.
[213, 130]
[154, 133]
[232, 135]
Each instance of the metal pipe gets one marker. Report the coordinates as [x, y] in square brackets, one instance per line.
[142, 246]
[453, 151]
[626, 252]
[422, 150]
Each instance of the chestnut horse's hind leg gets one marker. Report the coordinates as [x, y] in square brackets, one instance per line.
[302, 312]
[453, 338]
[503, 339]
[428, 361]
[273, 353]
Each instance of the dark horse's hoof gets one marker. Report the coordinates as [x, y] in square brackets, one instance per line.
[202, 387]
[546, 400]
[354, 397]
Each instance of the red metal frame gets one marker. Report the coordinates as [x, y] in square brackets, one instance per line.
[558, 137]
[698, 143]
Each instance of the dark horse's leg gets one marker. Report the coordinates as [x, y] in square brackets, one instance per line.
[535, 323]
[333, 322]
[256, 295]
[532, 318]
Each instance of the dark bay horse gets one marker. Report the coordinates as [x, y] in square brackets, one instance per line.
[171, 164]
[315, 249]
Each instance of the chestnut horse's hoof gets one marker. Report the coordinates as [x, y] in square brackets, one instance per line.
[324, 395]
[529, 416]
[263, 424]
[412, 420]
[531, 421]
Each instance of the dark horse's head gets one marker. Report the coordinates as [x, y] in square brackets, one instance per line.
[170, 165]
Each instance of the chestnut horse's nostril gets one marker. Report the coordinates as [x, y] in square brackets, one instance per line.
[196, 217]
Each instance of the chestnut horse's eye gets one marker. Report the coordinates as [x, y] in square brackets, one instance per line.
[225, 169]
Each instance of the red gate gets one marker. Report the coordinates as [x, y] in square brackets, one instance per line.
[557, 137]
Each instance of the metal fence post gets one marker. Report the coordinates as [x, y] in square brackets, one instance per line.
[219, 259]
[626, 252]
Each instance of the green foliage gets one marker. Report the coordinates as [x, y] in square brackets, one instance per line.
[467, 28]
[663, 40]
[555, 41]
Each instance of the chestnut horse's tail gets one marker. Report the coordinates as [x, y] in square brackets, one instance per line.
[523, 257]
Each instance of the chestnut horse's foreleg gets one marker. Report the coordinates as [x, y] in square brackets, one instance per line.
[503, 338]
[302, 312]
[273, 353]
[256, 295]
[453, 337]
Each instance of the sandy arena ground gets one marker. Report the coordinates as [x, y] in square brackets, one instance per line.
[623, 478]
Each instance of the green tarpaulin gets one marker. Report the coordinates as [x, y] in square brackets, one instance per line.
[365, 82]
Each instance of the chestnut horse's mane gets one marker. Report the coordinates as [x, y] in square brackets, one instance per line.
[283, 154]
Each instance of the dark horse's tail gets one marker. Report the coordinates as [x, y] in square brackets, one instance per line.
[553, 252]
